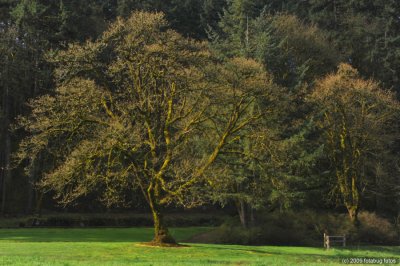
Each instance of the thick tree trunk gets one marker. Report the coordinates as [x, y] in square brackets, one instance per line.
[161, 232]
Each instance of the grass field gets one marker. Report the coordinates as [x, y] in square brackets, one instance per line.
[123, 247]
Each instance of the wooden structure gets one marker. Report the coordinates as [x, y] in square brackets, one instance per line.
[329, 240]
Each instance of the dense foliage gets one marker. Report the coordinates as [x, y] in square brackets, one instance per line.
[257, 105]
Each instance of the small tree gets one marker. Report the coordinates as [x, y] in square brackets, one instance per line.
[356, 117]
[135, 109]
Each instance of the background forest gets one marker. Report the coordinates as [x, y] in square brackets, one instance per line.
[299, 109]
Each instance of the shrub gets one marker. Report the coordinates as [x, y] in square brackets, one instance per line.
[376, 230]
[306, 228]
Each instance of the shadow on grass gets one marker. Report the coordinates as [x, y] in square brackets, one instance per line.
[77, 235]
[135, 234]
[389, 250]
[339, 253]
[145, 234]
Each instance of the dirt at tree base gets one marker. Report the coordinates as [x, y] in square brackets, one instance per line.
[161, 245]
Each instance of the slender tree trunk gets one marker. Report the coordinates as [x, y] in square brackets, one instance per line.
[6, 169]
[335, 12]
[33, 195]
[29, 203]
[241, 208]
[31, 190]
[350, 193]
[353, 214]
[2, 173]
[7, 143]
[252, 217]
[355, 201]
[352, 207]
[33, 171]
[38, 209]
[161, 232]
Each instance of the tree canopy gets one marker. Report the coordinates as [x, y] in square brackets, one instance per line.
[131, 111]
[161, 105]
[357, 119]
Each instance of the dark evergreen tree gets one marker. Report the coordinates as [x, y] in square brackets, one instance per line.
[38, 26]
[5, 7]
[14, 91]
[189, 17]
[295, 54]
[364, 31]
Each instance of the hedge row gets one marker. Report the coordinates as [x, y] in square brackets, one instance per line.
[111, 220]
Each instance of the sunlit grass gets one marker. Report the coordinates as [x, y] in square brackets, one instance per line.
[123, 247]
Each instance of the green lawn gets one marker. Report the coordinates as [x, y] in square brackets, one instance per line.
[122, 247]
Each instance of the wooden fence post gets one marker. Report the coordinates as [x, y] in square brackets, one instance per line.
[334, 239]
[326, 241]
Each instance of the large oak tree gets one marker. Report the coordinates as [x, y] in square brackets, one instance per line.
[141, 108]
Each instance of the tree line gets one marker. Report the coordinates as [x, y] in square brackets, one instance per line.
[258, 104]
